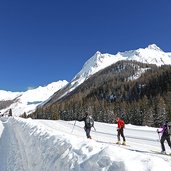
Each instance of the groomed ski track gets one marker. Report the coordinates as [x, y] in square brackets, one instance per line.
[17, 143]
[138, 140]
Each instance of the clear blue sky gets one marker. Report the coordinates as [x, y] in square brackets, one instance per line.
[42, 41]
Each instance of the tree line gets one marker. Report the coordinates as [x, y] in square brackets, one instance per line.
[118, 90]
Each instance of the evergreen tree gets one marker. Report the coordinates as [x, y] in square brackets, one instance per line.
[160, 111]
[10, 112]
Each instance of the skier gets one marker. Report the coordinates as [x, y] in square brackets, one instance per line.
[89, 122]
[165, 136]
[120, 129]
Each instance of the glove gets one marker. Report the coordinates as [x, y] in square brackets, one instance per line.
[118, 129]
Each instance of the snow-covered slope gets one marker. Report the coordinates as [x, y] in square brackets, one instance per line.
[151, 55]
[8, 95]
[45, 145]
[29, 100]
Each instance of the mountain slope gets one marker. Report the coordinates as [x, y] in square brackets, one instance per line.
[141, 91]
[150, 55]
[28, 101]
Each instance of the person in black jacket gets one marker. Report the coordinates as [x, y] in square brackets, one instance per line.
[88, 124]
[165, 136]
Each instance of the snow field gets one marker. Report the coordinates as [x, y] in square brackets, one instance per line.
[42, 145]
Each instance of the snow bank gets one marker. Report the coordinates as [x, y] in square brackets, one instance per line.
[41, 148]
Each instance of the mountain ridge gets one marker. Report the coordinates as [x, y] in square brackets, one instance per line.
[152, 54]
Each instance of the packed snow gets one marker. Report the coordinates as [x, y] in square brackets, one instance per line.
[46, 145]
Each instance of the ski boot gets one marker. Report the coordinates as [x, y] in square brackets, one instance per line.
[163, 152]
[124, 143]
[118, 142]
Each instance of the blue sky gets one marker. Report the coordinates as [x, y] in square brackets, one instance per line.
[46, 41]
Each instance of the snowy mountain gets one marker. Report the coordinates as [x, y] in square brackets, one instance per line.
[28, 101]
[8, 95]
[151, 55]
[46, 145]
[21, 102]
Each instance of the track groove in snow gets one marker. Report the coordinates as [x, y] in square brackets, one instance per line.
[43, 145]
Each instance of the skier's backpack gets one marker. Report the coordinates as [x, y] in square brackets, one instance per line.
[169, 128]
[89, 122]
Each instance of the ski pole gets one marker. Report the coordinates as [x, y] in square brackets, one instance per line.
[159, 138]
[94, 128]
[158, 134]
[73, 126]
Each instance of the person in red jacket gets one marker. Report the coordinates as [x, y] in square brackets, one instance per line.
[120, 129]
